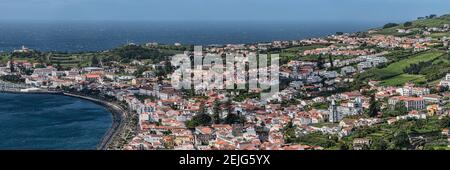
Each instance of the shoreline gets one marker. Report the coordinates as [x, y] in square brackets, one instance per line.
[118, 116]
[118, 120]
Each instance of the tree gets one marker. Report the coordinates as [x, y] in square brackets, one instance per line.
[289, 132]
[390, 25]
[139, 71]
[400, 140]
[320, 62]
[58, 66]
[445, 122]
[374, 107]
[95, 62]
[432, 16]
[400, 108]
[216, 118]
[407, 24]
[443, 89]
[416, 68]
[201, 119]
[379, 144]
[330, 57]
[228, 105]
[234, 119]
[216, 113]
[343, 146]
[12, 78]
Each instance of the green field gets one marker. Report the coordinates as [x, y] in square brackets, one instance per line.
[398, 67]
[402, 79]
[4, 59]
[71, 60]
[292, 53]
[393, 74]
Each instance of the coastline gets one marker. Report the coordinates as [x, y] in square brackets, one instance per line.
[109, 139]
[118, 121]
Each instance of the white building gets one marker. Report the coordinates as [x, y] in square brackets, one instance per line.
[348, 70]
[446, 81]
[411, 103]
[410, 90]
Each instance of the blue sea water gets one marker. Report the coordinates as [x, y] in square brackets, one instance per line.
[74, 36]
[40, 121]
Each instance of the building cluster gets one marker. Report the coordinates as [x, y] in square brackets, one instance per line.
[312, 99]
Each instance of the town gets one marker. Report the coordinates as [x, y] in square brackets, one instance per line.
[387, 88]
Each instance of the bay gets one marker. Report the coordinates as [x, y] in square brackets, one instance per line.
[51, 122]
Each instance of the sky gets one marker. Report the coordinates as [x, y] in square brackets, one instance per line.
[222, 10]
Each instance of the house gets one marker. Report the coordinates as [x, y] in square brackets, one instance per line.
[432, 98]
[313, 79]
[44, 71]
[330, 74]
[351, 95]
[361, 143]
[392, 121]
[364, 65]
[411, 103]
[167, 93]
[345, 123]
[445, 132]
[91, 69]
[446, 81]
[413, 114]
[348, 70]
[410, 90]
[92, 77]
[433, 109]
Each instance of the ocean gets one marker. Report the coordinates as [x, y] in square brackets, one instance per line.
[51, 122]
[79, 36]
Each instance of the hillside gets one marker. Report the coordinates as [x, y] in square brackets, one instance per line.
[437, 64]
[416, 25]
[124, 54]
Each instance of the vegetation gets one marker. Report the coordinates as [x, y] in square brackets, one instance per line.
[243, 95]
[398, 110]
[374, 107]
[289, 133]
[390, 25]
[12, 78]
[416, 68]
[407, 24]
[428, 21]
[323, 106]
[397, 136]
[318, 139]
[394, 75]
[201, 119]
[234, 119]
